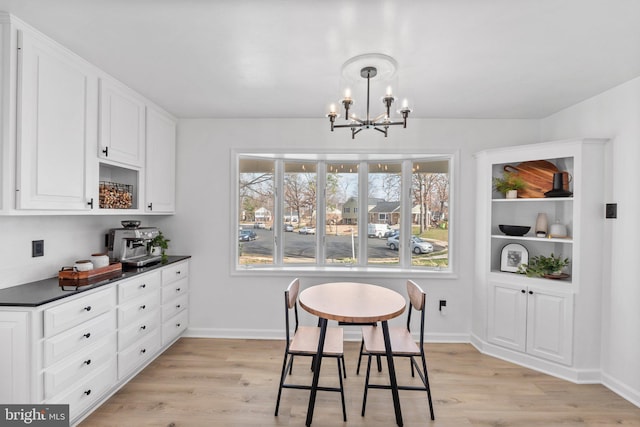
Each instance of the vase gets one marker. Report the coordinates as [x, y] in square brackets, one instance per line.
[512, 194]
[541, 225]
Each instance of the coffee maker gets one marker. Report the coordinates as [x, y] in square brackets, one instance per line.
[130, 246]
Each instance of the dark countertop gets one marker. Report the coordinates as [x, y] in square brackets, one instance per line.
[44, 291]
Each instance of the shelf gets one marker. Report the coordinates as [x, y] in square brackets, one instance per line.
[534, 199]
[497, 275]
[533, 239]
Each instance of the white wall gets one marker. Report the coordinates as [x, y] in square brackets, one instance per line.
[615, 114]
[243, 306]
[66, 239]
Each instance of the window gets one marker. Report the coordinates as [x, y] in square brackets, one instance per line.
[319, 212]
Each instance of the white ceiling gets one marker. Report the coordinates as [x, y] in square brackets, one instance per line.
[283, 58]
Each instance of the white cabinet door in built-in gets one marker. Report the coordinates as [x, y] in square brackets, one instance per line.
[56, 132]
[122, 124]
[160, 168]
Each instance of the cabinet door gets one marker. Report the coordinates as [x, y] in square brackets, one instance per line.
[161, 162]
[550, 325]
[122, 127]
[57, 119]
[14, 357]
[507, 324]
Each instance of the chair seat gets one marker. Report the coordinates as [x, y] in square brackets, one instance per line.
[305, 341]
[402, 342]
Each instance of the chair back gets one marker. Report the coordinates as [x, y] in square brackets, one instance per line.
[417, 299]
[290, 302]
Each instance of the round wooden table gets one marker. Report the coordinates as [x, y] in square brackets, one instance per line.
[353, 303]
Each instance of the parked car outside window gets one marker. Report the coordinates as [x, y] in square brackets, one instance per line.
[247, 235]
[288, 227]
[307, 230]
[418, 245]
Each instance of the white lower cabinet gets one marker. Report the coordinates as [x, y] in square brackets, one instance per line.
[14, 366]
[79, 350]
[175, 301]
[531, 319]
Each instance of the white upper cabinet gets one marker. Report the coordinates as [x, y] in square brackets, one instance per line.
[122, 124]
[161, 162]
[56, 127]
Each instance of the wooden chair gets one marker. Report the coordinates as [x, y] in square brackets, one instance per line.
[305, 343]
[402, 345]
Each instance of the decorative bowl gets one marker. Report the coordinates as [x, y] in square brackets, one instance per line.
[130, 223]
[514, 230]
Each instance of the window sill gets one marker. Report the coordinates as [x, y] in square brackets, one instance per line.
[341, 271]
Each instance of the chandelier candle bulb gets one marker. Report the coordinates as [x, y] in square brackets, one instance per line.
[388, 90]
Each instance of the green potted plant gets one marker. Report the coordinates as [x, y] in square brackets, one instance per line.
[509, 184]
[541, 266]
[160, 243]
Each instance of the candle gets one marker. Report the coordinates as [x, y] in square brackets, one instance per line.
[388, 90]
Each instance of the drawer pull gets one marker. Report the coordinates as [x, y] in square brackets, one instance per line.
[143, 327]
[87, 362]
[87, 335]
[87, 392]
[177, 289]
[87, 308]
[143, 351]
[178, 306]
[143, 306]
[177, 325]
[143, 286]
[178, 272]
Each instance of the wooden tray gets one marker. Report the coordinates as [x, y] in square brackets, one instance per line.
[70, 273]
[538, 175]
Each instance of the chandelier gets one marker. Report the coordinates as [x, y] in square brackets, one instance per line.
[381, 122]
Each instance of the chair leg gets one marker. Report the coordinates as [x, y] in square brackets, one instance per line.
[360, 357]
[413, 374]
[282, 377]
[366, 385]
[378, 359]
[426, 384]
[344, 367]
[344, 407]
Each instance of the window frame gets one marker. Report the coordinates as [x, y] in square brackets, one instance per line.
[361, 268]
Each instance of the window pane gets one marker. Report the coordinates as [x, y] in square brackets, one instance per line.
[342, 213]
[299, 230]
[384, 182]
[257, 201]
[430, 214]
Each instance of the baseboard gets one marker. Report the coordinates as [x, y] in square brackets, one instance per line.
[578, 376]
[621, 389]
[351, 333]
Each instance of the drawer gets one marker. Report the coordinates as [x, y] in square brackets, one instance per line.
[138, 330]
[89, 390]
[174, 290]
[173, 327]
[175, 272]
[138, 354]
[78, 338]
[138, 286]
[78, 311]
[175, 306]
[138, 308]
[73, 369]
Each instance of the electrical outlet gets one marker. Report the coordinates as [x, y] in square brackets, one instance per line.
[442, 308]
[37, 248]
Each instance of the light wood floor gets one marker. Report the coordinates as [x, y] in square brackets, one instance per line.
[220, 382]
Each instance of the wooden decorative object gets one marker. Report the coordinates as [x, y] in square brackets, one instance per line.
[70, 273]
[538, 174]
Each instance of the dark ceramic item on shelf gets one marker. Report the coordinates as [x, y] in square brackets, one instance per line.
[514, 230]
